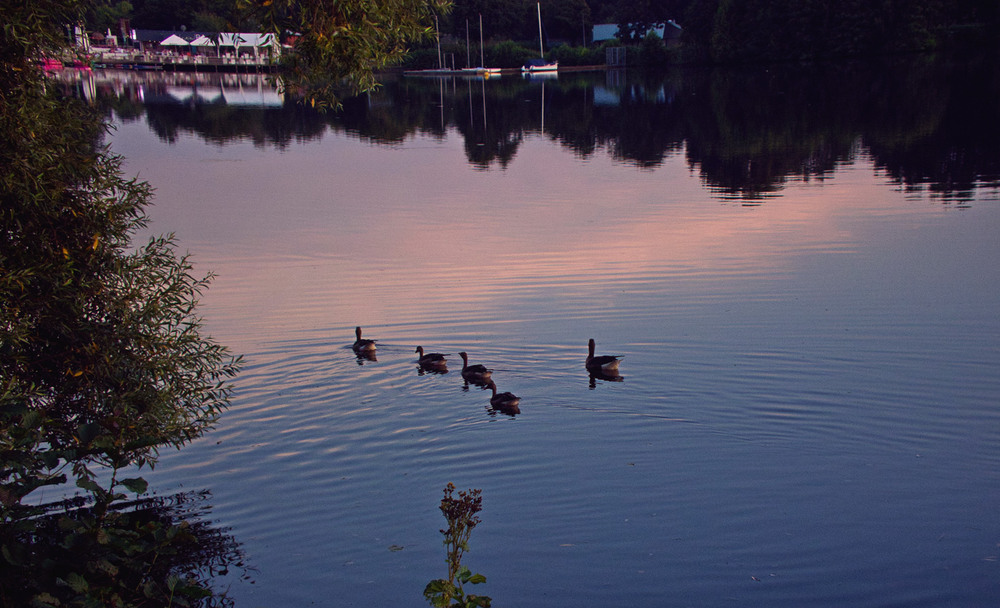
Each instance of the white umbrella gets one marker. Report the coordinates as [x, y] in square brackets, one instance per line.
[174, 40]
[203, 41]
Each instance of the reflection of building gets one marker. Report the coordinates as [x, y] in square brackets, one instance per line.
[176, 88]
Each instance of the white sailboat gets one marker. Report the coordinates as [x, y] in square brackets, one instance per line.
[482, 70]
[539, 65]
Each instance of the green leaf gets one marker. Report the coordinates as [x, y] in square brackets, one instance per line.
[86, 433]
[50, 458]
[88, 484]
[9, 557]
[475, 579]
[45, 600]
[107, 567]
[138, 485]
[483, 601]
[77, 583]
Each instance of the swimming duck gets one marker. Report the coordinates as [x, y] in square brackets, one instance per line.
[502, 401]
[363, 347]
[605, 365]
[474, 373]
[430, 359]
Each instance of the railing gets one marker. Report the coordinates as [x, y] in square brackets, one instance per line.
[167, 60]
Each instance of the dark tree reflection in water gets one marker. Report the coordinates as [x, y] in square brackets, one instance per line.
[148, 549]
[927, 122]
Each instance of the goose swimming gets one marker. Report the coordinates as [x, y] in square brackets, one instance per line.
[502, 401]
[476, 372]
[430, 359]
[606, 365]
[361, 346]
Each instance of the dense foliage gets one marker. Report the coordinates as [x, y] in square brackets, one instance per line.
[713, 30]
[338, 46]
[728, 31]
[752, 30]
[102, 360]
[517, 20]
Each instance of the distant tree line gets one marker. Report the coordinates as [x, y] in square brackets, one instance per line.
[752, 30]
[713, 30]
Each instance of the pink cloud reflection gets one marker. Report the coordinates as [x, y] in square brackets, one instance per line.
[335, 232]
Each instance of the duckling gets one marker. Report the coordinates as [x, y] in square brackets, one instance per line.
[474, 373]
[363, 347]
[605, 365]
[502, 401]
[430, 359]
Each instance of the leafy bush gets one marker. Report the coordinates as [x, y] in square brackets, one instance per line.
[653, 52]
[102, 361]
[421, 59]
[508, 54]
[578, 55]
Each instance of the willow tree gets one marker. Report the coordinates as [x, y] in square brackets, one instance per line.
[102, 358]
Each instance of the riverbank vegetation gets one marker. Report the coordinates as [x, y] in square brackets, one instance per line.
[714, 31]
[769, 30]
[709, 31]
[102, 357]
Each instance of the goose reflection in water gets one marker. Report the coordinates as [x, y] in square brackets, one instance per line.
[506, 403]
[435, 363]
[477, 374]
[602, 367]
[364, 349]
[595, 377]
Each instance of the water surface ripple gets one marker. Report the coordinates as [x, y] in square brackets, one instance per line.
[808, 413]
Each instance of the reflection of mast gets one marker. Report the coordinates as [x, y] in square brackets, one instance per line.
[543, 107]
[441, 88]
[471, 119]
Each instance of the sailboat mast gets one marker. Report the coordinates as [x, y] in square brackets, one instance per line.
[437, 34]
[482, 60]
[541, 48]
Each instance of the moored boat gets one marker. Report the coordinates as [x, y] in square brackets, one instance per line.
[539, 65]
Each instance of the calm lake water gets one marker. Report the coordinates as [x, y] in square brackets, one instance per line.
[800, 266]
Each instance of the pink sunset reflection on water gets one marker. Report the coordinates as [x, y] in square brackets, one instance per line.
[337, 231]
